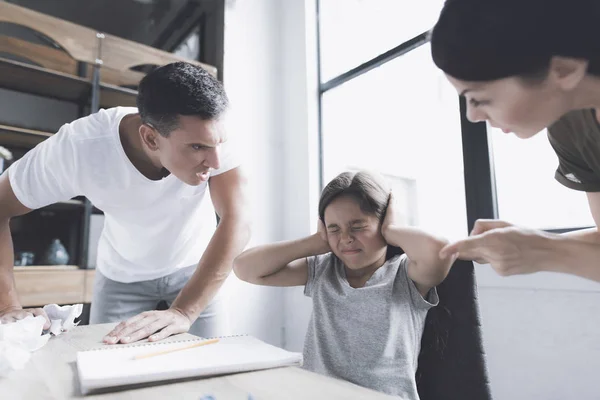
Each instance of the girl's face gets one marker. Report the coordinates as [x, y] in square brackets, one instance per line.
[354, 236]
[513, 105]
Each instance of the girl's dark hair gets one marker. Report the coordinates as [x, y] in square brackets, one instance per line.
[369, 190]
[484, 40]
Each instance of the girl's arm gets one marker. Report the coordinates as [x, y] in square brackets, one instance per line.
[425, 267]
[279, 264]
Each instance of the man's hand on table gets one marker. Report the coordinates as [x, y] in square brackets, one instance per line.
[154, 325]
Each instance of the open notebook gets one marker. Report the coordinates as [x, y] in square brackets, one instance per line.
[112, 367]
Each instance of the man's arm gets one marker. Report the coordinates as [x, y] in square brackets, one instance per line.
[511, 250]
[232, 235]
[10, 308]
[228, 193]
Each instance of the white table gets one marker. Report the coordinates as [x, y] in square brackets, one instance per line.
[51, 374]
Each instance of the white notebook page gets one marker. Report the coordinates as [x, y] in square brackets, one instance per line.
[116, 367]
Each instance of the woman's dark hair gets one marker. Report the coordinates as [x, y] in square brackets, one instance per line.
[179, 89]
[369, 190]
[484, 40]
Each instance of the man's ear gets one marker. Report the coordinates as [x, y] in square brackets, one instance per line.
[148, 136]
[567, 72]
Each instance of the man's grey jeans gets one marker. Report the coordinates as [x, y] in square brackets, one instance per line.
[115, 301]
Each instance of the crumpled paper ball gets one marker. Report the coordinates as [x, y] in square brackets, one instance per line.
[26, 333]
[12, 358]
[62, 318]
[19, 339]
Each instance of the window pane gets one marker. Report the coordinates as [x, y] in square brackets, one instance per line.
[527, 193]
[355, 31]
[402, 119]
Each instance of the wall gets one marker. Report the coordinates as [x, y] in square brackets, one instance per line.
[300, 163]
[270, 76]
[253, 79]
[541, 335]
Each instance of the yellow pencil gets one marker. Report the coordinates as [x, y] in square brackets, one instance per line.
[158, 353]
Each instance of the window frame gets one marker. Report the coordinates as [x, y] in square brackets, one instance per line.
[479, 176]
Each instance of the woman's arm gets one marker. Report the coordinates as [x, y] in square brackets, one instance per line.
[512, 250]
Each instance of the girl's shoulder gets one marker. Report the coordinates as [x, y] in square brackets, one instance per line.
[320, 261]
[321, 268]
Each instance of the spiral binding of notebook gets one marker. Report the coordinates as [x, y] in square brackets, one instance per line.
[161, 342]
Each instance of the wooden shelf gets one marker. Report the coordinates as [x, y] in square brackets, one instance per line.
[65, 72]
[47, 268]
[60, 284]
[112, 96]
[27, 78]
[21, 137]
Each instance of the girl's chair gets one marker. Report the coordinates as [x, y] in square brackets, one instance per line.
[452, 360]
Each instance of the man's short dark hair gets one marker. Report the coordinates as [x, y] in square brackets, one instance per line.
[179, 89]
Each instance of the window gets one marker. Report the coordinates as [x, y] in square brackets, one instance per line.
[355, 31]
[526, 190]
[402, 120]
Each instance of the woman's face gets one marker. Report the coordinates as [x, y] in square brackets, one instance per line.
[513, 105]
[354, 236]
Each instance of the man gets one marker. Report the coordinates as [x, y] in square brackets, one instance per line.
[150, 170]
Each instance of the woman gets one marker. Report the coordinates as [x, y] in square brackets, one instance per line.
[526, 65]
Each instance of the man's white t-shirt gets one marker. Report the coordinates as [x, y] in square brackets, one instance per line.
[151, 228]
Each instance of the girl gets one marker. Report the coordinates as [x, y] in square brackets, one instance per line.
[526, 65]
[369, 300]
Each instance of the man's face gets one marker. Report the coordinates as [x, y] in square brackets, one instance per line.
[191, 150]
